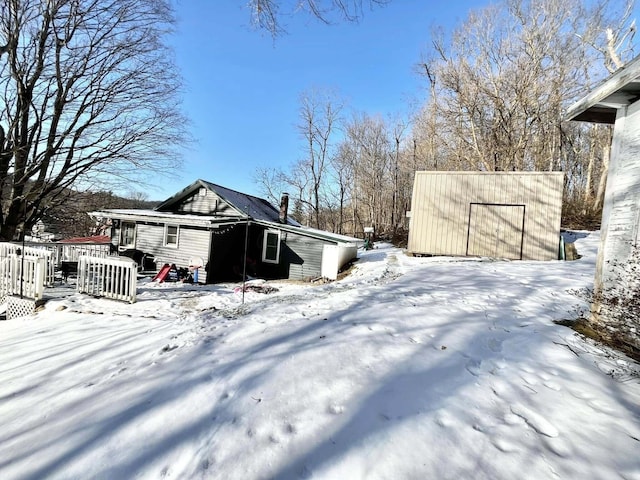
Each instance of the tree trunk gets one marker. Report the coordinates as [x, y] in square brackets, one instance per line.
[606, 151]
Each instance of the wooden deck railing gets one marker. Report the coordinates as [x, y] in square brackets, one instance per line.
[7, 249]
[22, 276]
[67, 252]
[107, 277]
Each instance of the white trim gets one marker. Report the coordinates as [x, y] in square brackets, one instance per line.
[264, 246]
[165, 241]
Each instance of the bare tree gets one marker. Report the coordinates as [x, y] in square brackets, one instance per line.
[372, 182]
[88, 90]
[269, 14]
[500, 83]
[614, 37]
[319, 114]
[399, 129]
[272, 182]
[342, 164]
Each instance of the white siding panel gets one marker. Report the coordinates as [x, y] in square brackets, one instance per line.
[621, 213]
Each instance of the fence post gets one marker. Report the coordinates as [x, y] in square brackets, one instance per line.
[38, 287]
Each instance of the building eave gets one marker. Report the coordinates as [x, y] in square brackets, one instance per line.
[207, 221]
[311, 232]
[601, 104]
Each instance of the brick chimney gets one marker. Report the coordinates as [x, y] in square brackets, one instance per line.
[284, 208]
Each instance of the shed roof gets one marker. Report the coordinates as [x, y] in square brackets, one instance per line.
[602, 103]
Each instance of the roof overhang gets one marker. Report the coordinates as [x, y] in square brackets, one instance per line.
[213, 222]
[312, 232]
[602, 103]
[206, 221]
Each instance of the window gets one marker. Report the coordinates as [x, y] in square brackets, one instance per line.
[127, 234]
[271, 246]
[171, 236]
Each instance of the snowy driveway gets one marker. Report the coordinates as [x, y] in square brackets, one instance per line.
[407, 368]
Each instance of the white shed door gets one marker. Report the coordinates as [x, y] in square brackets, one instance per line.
[496, 230]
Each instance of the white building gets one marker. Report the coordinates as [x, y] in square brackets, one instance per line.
[615, 101]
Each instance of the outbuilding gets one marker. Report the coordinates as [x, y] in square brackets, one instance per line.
[510, 215]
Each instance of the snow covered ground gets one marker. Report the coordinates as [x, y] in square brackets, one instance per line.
[409, 368]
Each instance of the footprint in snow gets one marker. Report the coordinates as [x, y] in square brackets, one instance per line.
[444, 419]
[559, 446]
[581, 395]
[495, 345]
[504, 445]
[529, 379]
[599, 406]
[552, 386]
[511, 419]
[473, 366]
[168, 348]
[535, 421]
[290, 428]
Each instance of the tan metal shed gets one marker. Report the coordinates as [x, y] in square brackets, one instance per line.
[513, 215]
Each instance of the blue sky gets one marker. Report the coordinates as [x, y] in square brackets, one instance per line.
[242, 87]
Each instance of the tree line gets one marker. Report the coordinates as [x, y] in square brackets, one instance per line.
[90, 97]
[90, 101]
[497, 85]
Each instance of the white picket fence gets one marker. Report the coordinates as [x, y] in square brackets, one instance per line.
[7, 249]
[22, 276]
[107, 277]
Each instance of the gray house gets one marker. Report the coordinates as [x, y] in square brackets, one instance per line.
[616, 102]
[211, 226]
[512, 215]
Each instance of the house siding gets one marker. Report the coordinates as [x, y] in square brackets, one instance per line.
[209, 204]
[303, 255]
[192, 243]
[443, 216]
[621, 213]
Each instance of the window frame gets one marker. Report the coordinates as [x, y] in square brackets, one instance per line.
[265, 245]
[123, 225]
[166, 242]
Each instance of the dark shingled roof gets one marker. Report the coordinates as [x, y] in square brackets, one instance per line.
[257, 208]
